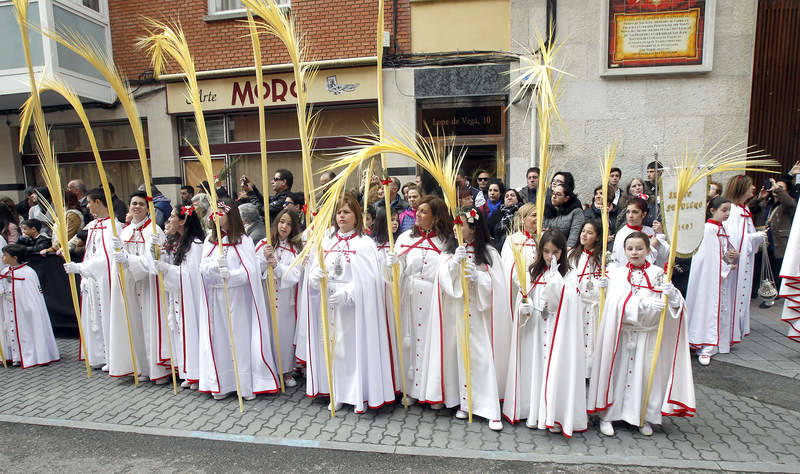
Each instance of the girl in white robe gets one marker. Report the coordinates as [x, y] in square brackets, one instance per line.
[745, 240]
[546, 384]
[95, 270]
[358, 333]
[585, 262]
[24, 321]
[489, 325]
[380, 234]
[626, 338]
[524, 240]
[419, 252]
[147, 323]
[287, 243]
[180, 266]
[635, 213]
[708, 299]
[251, 329]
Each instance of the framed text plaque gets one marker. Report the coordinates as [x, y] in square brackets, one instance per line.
[658, 36]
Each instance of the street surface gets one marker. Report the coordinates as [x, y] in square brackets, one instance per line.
[55, 419]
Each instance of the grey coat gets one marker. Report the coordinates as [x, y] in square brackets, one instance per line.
[570, 224]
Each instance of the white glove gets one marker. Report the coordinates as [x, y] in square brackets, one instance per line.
[338, 298]
[158, 239]
[657, 304]
[153, 252]
[553, 266]
[471, 272]
[602, 282]
[526, 309]
[161, 266]
[72, 267]
[222, 262]
[672, 293]
[460, 254]
[391, 259]
[116, 243]
[120, 257]
[316, 277]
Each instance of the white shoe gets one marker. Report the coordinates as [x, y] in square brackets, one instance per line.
[533, 427]
[185, 384]
[338, 406]
[289, 381]
[161, 381]
[249, 397]
[437, 406]
[607, 428]
[221, 396]
[462, 415]
[646, 429]
[555, 429]
[143, 378]
[105, 368]
[704, 359]
[194, 386]
[495, 425]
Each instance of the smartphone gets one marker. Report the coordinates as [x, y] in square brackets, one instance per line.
[768, 185]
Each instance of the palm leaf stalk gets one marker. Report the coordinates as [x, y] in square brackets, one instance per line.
[49, 167]
[276, 22]
[606, 164]
[443, 167]
[262, 135]
[693, 167]
[163, 42]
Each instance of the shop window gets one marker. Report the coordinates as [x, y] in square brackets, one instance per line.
[73, 138]
[234, 6]
[215, 128]
[126, 176]
[193, 173]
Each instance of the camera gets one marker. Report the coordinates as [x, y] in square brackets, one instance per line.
[768, 185]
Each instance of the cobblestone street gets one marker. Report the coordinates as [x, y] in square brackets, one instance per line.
[730, 431]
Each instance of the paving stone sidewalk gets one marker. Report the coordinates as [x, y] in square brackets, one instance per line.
[729, 432]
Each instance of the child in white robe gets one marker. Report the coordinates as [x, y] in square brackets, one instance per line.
[635, 213]
[626, 339]
[708, 299]
[24, 321]
[286, 244]
[546, 384]
[524, 240]
[585, 260]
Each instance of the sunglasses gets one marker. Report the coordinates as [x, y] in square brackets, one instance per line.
[483, 179]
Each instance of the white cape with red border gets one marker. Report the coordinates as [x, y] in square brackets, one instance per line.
[790, 280]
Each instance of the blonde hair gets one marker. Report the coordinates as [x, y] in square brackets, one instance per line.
[737, 187]
[519, 218]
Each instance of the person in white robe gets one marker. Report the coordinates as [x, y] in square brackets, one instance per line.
[252, 333]
[708, 301]
[358, 333]
[286, 244]
[746, 240]
[489, 325]
[380, 234]
[24, 321]
[790, 280]
[180, 266]
[145, 303]
[585, 261]
[95, 272]
[418, 252]
[545, 384]
[626, 339]
[525, 240]
[635, 213]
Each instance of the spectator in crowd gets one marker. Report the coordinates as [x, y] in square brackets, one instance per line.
[528, 192]
[463, 183]
[79, 189]
[395, 201]
[714, 190]
[501, 220]
[326, 178]
[282, 182]
[465, 198]
[429, 187]
[253, 225]
[595, 210]
[161, 205]
[9, 229]
[24, 206]
[409, 216]
[793, 179]
[496, 192]
[369, 218]
[75, 221]
[120, 208]
[202, 205]
[250, 193]
[482, 178]
[404, 190]
[620, 197]
[295, 202]
[637, 189]
[187, 192]
[564, 212]
[12, 206]
[32, 238]
[39, 211]
[418, 181]
[651, 185]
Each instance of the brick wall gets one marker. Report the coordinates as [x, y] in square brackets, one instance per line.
[333, 29]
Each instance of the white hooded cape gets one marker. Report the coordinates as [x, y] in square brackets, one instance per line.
[790, 281]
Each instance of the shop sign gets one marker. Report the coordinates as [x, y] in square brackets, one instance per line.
[459, 121]
[279, 90]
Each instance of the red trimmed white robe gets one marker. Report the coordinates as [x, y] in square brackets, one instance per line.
[585, 274]
[790, 281]
[95, 270]
[658, 256]
[626, 339]
[24, 320]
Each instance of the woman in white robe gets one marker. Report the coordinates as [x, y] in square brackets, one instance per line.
[489, 325]
[180, 266]
[626, 338]
[286, 244]
[708, 299]
[358, 333]
[790, 280]
[251, 329]
[147, 323]
[419, 252]
[745, 240]
[545, 384]
[585, 262]
[635, 213]
[24, 321]
[524, 240]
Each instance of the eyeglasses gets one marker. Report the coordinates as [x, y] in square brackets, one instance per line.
[278, 179]
[483, 179]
